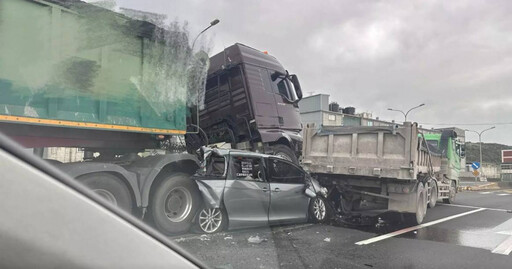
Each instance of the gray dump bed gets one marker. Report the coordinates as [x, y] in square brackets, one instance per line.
[395, 152]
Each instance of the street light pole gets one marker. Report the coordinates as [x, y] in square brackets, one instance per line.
[406, 113]
[480, 139]
[212, 23]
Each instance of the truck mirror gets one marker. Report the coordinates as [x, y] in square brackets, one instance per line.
[296, 84]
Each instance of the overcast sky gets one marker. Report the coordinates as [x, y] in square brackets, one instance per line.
[454, 56]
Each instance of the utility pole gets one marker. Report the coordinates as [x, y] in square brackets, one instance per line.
[480, 140]
[406, 113]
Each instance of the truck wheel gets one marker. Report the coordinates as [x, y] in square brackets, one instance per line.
[174, 203]
[110, 188]
[285, 152]
[451, 194]
[318, 210]
[211, 220]
[421, 207]
[433, 195]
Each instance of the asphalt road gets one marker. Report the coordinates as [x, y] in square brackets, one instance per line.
[476, 232]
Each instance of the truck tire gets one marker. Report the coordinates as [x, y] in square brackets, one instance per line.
[109, 187]
[285, 152]
[451, 194]
[174, 204]
[421, 207]
[433, 195]
[319, 211]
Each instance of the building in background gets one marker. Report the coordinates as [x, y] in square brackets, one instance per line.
[506, 165]
[318, 110]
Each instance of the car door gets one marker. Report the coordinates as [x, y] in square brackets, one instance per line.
[288, 202]
[246, 195]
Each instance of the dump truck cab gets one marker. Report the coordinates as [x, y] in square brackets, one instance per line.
[452, 150]
[251, 102]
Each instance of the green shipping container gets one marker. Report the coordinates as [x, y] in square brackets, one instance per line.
[71, 64]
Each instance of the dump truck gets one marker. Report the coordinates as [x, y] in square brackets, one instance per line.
[124, 92]
[373, 170]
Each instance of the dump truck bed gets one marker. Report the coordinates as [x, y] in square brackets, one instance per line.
[395, 152]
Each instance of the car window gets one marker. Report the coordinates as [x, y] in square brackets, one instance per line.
[284, 172]
[247, 168]
[216, 167]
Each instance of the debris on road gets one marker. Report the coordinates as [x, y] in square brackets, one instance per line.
[327, 239]
[229, 237]
[204, 237]
[255, 239]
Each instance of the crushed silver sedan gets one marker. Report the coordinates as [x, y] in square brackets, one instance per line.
[243, 189]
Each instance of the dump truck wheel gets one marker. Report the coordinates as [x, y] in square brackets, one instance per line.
[285, 152]
[451, 195]
[433, 195]
[421, 207]
[174, 204]
[110, 188]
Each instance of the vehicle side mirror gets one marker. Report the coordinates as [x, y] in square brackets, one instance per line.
[296, 84]
[462, 151]
[310, 193]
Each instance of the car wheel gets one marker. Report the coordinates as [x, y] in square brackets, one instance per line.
[174, 204]
[109, 187]
[285, 152]
[451, 195]
[211, 220]
[318, 210]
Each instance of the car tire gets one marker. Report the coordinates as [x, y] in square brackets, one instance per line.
[211, 220]
[174, 204]
[109, 187]
[319, 210]
[451, 195]
[417, 217]
[433, 195]
[285, 152]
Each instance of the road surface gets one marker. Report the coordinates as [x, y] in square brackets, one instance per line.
[476, 232]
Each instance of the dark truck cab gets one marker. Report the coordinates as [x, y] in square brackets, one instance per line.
[250, 101]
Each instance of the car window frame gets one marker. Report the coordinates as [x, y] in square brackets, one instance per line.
[288, 162]
[262, 163]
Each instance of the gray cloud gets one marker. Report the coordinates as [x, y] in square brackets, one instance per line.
[455, 56]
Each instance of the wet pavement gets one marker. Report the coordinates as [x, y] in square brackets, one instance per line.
[476, 232]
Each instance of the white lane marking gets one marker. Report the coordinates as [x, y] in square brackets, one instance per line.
[503, 194]
[505, 247]
[505, 232]
[485, 192]
[476, 207]
[417, 227]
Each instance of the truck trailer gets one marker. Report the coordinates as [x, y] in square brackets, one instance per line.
[373, 170]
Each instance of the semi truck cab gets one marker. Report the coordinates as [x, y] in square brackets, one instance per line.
[251, 102]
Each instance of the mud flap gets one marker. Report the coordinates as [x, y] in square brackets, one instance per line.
[403, 202]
